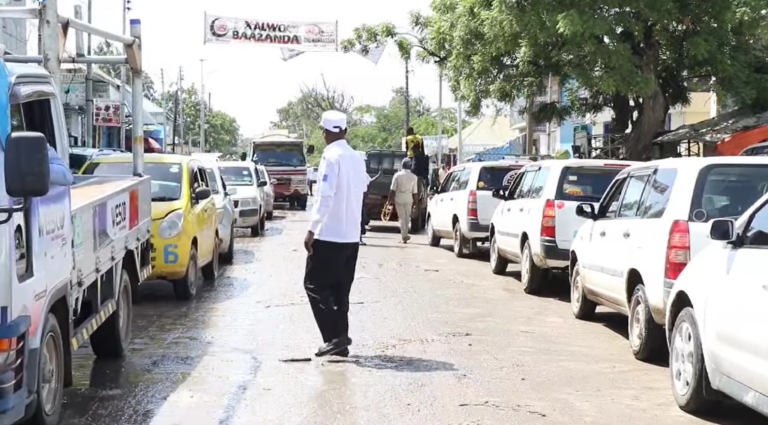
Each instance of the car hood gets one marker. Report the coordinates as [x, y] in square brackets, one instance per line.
[243, 192]
[162, 209]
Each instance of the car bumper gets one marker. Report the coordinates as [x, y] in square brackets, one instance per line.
[169, 256]
[476, 230]
[247, 217]
[553, 256]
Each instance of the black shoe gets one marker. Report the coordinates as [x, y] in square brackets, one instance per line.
[338, 345]
[343, 353]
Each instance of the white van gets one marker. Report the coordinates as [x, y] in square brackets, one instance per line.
[536, 221]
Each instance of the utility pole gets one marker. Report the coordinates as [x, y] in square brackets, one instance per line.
[407, 98]
[529, 123]
[460, 128]
[202, 106]
[123, 81]
[210, 108]
[89, 85]
[163, 104]
[181, 110]
[175, 117]
[440, 116]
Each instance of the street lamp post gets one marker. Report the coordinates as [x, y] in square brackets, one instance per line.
[202, 106]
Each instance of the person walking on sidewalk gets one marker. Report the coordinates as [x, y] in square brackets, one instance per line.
[333, 239]
[404, 193]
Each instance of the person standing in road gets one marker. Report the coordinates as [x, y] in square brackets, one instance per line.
[404, 193]
[333, 239]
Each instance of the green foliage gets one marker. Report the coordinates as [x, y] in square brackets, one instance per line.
[370, 126]
[222, 132]
[637, 57]
[106, 48]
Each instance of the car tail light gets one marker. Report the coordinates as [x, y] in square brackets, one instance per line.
[678, 249]
[472, 204]
[548, 220]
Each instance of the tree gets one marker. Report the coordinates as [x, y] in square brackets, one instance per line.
[407, 41]
[370, 126]
[106, 48]
[637, 57]
[222, 132]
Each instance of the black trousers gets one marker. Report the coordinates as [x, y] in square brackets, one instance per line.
[328, 279]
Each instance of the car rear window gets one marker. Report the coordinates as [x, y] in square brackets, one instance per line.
[386, 161]
[585, 184]
[491, 178]
[756, 151]
[727, 190]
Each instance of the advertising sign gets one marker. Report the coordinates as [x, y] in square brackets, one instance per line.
[304, 36]
[117, 218]
[106, 113]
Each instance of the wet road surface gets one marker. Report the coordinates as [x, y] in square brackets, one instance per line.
[437, 340]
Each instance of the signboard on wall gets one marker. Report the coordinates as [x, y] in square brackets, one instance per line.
[106, 113]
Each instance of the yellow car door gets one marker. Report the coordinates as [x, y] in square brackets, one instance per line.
[204, 213]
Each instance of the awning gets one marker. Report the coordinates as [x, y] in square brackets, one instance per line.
[511, 148]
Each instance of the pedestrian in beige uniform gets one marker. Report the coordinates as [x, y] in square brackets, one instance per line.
[404, 192]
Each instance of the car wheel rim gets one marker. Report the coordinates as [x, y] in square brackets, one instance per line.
[49, 390]
[122, 313]
[682, 358]
[637, 325]
[525, 269]
[576, 292]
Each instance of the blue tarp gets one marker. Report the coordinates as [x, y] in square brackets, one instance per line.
[498, 153]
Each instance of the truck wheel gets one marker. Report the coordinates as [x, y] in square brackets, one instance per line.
[303, 203]
[229, 256]
[263, 224]
[256, 230]
[269, 215]
[211, 270]
[186, 287]
[415, 224]
[50, 382]
[111, 339]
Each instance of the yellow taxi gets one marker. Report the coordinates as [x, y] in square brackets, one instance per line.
[184, 224]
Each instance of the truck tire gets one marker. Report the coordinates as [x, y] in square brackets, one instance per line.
[263, 224]
[50, 373]
[111, 339]
[646, 337]
[270, 215]
[229, 256]
[302, 203]
[432, 238]
[186, 287]
[416, 224]
[211, 270]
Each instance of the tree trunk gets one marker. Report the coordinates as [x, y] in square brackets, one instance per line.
[654, 107]
[622, 113]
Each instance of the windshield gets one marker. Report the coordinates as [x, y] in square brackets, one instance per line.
[491, 178]
[727, 191]
[237, 176]
[280, 155]
[212, 181]
[756, 151]
[387, 161]
[585, 184]
[166, 178]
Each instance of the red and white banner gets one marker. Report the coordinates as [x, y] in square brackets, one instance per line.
[303, 36]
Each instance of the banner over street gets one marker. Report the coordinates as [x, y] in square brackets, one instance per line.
[304, 36]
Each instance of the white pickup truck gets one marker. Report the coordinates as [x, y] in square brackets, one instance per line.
[70, 257]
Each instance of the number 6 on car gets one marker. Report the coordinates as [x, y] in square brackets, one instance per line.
[171, 254]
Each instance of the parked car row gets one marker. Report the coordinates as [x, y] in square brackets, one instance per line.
[196, 205]
[674, 244]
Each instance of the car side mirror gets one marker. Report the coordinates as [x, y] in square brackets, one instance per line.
[203, 193]
[243, 156]
[722, 229]
[261, 183]
[273, 182]
[586, 210]
[27, 171]
[232, 191]
[499, 194]
[311, 149]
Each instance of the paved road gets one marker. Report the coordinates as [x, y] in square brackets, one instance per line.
[436, 341]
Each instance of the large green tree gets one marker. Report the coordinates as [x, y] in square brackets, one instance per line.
[107, 48]
[636, 57]
[222, 132]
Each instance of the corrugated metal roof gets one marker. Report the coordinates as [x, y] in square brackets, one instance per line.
[716, 129]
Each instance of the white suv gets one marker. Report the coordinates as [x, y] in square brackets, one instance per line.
[535, 224]
[463, 206]
[651, 222]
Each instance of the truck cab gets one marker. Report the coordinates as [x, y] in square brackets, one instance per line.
[286, 162]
